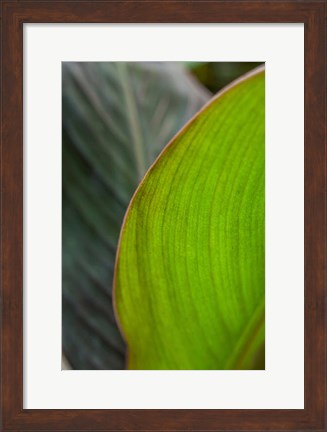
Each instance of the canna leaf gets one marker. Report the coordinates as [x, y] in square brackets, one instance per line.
[116, 119]
[189, 281]
[216, 75]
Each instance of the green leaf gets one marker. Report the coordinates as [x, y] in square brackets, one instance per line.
[116, 119]
[216, 75]
[190, 265]
[194, 64]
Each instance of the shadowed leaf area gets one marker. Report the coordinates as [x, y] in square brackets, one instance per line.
[190, 271]
[116, 119]
[217, 75]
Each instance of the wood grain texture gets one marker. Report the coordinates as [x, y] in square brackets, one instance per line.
[14, 14]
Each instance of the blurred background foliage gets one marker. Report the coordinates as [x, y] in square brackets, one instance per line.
[116, 118]
[215, 76]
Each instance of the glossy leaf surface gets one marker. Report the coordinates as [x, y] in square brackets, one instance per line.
[189, 283]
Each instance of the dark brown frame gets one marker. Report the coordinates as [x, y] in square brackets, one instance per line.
[14, 14]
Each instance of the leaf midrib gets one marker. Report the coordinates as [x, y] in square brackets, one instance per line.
[244, 343]
[138, 143]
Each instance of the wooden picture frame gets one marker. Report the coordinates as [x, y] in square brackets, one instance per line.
[14, 14]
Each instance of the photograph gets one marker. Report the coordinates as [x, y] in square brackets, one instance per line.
[163, 215]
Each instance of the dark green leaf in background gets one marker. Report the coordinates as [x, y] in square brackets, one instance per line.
[216, 75]
[116, 119]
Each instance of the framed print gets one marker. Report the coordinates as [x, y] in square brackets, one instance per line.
[163, 215]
